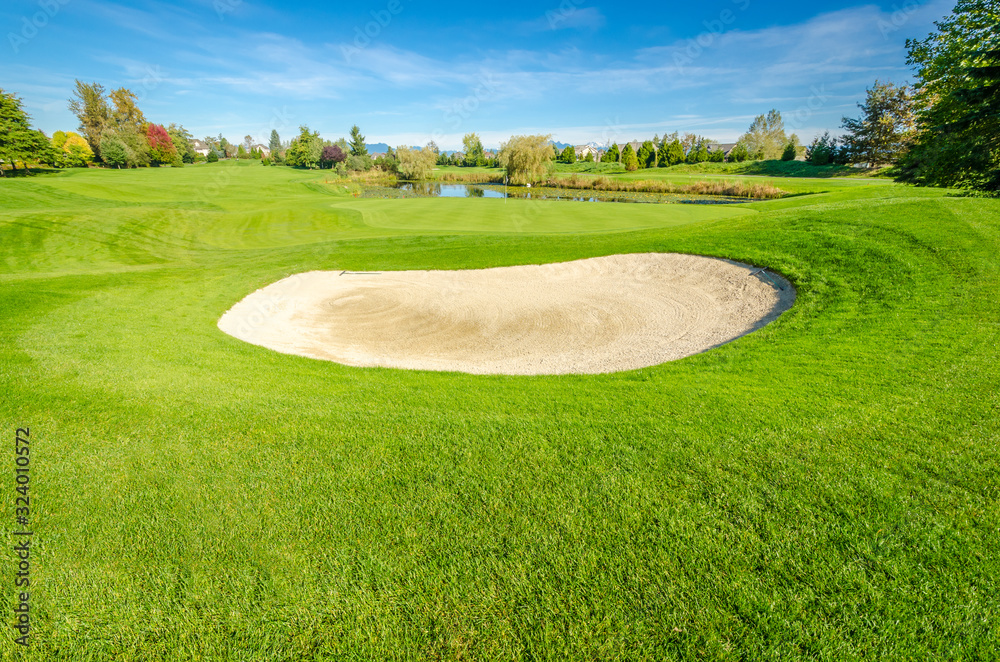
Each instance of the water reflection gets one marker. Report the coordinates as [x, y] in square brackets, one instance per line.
[436, 190]
[499, 191]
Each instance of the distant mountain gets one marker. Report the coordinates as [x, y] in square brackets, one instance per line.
[377, 148]
[562, 146]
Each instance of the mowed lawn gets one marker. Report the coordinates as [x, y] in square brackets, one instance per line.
[824, 489]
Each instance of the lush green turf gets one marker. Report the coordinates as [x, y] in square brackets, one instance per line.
[826, 488]
[746, 168]
[795, 177]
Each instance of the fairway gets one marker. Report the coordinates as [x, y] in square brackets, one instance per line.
[825, 488]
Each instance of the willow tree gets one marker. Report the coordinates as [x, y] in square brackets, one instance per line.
[416, 164]
[527, 159]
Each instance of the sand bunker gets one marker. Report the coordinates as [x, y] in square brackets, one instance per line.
[600, 315]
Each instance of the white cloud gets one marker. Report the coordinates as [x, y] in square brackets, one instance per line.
[566, 16]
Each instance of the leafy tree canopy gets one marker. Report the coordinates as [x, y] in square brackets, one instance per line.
[957, 140]
[92, 109]
[766, 139]
[305, 150]
[473, 147]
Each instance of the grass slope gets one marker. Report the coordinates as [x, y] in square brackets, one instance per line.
[823, 489]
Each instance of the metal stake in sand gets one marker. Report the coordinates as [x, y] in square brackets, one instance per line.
[768, 277]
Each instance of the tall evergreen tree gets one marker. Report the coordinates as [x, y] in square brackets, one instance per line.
[629, 158]
[613, 155]
[698, 153]
[18, 141]
[358, 147]
[274, 144]
[647, 155]
[883, 132]
[740, 153]
[662, 155]
[675, 152]
[958, 101]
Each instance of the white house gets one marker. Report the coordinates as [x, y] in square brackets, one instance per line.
[200, 147]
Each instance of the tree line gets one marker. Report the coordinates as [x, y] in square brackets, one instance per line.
[943, 131]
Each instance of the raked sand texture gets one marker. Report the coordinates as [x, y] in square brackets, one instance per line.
[599, 315]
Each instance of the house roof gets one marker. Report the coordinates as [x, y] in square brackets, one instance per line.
[725, 147]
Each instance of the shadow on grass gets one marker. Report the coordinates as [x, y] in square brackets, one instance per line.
[29, 172]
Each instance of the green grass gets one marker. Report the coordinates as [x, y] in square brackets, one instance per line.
[795, 177]
[824, 489]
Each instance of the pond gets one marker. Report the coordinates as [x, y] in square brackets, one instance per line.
[499, 191]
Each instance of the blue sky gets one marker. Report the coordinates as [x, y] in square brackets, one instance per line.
[408, 71]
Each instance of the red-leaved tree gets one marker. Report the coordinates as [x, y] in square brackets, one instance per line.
[332, 155]
[161, 146]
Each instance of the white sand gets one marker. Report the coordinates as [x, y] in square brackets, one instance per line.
[600, 315]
